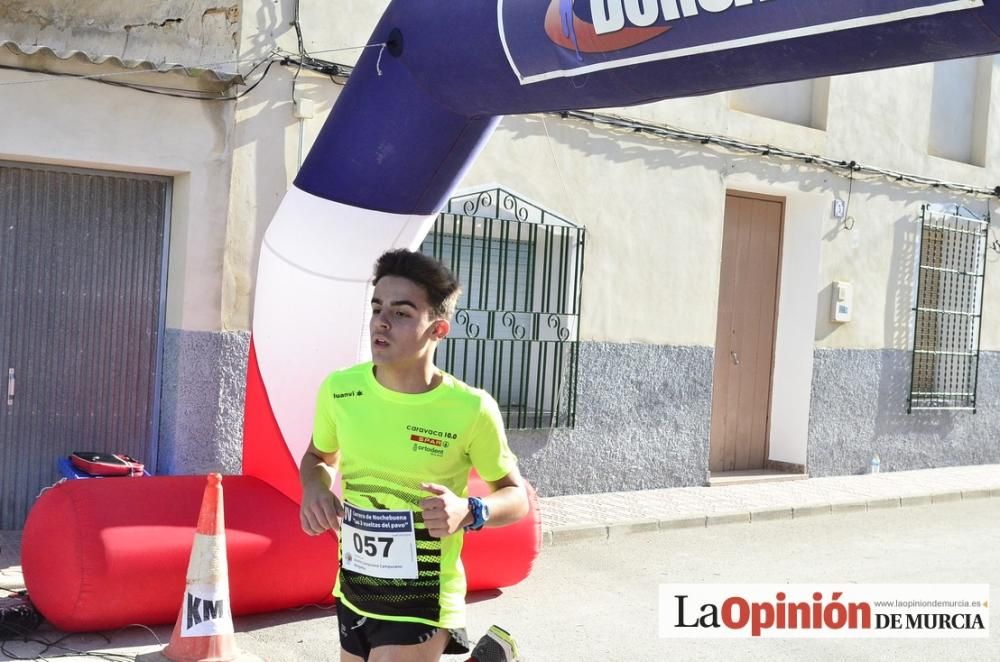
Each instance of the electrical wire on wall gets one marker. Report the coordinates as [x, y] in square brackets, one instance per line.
[738, 146]
[338, 73]
[566, 192]
[848, 219]
[115, 78]
[305, 59]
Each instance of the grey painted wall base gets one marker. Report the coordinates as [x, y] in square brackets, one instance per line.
[642, 422]
[643, 416]
[858, 408]
[201, 404]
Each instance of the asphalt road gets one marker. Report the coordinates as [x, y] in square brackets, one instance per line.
[596, 601]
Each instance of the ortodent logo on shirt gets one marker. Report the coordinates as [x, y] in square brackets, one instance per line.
[430, 441]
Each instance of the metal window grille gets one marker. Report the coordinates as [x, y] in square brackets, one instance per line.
[516, 330]
[948, 312]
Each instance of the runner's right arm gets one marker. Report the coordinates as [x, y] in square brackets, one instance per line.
[321, 510]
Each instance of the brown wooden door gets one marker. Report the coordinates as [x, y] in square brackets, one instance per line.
[744, 343]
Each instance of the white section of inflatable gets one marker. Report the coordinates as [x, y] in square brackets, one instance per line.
[311, 305]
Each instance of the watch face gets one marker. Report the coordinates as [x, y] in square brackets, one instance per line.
[486, 511]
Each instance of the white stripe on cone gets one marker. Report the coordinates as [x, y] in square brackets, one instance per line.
[206, 608]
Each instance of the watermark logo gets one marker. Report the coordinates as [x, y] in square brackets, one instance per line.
[824, 611]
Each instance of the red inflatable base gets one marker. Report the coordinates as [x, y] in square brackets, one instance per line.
[503, 556]
[101, 554]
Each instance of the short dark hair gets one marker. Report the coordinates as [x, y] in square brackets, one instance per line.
[442, 288]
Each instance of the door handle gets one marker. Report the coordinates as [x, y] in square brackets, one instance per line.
[10, 387]
[736, 358]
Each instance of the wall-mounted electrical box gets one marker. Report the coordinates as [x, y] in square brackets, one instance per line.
[304, 108]
[841, 301]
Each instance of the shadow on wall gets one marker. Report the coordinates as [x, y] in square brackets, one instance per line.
[267, 140]
[893, 425]
[824, 327]
[268, 28]
[622, 146]
[859, 395]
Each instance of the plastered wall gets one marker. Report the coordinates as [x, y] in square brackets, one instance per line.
[656, 202]
[65, 122]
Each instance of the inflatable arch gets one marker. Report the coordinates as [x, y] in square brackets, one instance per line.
[406, 127]
[413, 117]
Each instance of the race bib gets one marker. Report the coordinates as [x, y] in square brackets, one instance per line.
[379, 543]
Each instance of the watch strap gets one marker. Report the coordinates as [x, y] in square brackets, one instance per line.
[476, 508]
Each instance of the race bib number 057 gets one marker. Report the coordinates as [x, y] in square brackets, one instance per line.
[379, 543]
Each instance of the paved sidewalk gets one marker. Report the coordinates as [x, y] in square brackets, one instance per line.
[589, 516]
[577, 518]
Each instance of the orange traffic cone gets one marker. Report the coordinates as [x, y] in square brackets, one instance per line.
[204, 628]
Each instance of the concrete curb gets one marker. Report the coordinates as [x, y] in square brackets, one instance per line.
[558, 535]
[811, 511]
[771, 514]
[944, 497]
[849, 507]
[688, 522]
[727, 518]
[637, 526]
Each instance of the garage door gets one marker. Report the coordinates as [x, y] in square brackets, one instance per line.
[81, 320]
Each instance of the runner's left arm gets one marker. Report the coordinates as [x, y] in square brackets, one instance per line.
[446, 513]
[507, 500]
[490, 454]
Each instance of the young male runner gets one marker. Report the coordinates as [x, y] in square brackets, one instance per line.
[404, 436]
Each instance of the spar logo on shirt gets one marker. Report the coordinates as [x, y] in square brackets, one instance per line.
[427, 440]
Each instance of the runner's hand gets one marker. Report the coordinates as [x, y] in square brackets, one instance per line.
[444, 512]
[321, 511]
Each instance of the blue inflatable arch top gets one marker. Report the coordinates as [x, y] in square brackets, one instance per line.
[450, 71]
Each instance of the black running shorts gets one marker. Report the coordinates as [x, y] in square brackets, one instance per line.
[360, 634]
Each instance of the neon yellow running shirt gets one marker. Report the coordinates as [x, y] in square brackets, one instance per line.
[389, 444]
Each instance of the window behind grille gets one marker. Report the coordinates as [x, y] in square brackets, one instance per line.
[948, 312]
[515, 333]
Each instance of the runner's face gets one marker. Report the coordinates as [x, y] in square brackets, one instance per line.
[403, 328]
